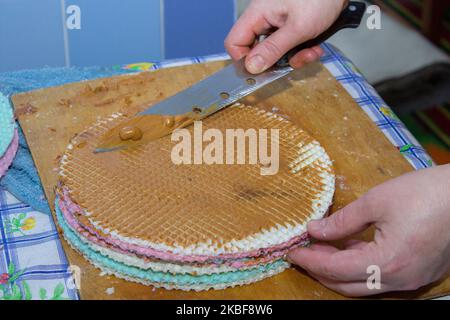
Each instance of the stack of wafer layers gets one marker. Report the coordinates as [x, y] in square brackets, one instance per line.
[141, 216]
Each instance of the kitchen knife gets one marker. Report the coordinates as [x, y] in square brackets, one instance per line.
[212, 94]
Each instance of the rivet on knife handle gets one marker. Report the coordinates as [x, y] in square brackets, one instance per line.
[351, 17]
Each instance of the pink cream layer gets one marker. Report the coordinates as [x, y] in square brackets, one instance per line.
[8, 156]
[238, 264]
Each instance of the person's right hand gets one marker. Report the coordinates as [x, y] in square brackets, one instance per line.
[297, 21]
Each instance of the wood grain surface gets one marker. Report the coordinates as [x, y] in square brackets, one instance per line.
[310, 97]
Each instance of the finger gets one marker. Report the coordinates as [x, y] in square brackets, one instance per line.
[323, 247]
[355, 244]
[346, 265]
[348, 221]
[306, 56]
[353, 288]
[318, 49]
[269, 51]
[349, 289]
[244, 33]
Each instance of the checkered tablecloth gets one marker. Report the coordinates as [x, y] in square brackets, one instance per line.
[32, 262]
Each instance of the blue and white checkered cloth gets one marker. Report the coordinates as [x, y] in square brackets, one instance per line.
[369, 100]
[32, 262]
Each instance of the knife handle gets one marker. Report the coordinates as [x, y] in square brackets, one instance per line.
[351, 17]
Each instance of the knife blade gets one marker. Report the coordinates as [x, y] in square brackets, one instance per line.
[195, 103]
[212, 94]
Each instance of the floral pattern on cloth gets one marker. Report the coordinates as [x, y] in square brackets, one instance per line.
[33, 265]
[13, 289]
[20, 224]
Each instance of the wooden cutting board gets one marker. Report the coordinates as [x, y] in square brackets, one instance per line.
[311, 98]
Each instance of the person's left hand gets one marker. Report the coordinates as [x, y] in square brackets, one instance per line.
[411, 247]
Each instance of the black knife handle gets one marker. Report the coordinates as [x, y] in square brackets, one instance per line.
[351, 17]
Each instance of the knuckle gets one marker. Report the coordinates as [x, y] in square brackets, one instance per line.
[368, 200]
[228, 39]
[297, 25]
[339, 220]
[271, 48]
[371, 204]
[227, 43]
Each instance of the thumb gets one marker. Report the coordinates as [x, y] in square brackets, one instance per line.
[348, 221]
[269, 51]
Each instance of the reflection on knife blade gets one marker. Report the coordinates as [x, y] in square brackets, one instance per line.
[204, 98]
[147, 127]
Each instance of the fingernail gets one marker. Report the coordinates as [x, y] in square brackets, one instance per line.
[288, 259]
[256, 64]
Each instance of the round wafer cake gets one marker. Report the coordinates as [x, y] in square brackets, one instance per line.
[9, 139]
[140, 215]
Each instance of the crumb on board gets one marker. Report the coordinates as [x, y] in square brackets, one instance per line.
[341, 182]
[25, 109]
[109, 291]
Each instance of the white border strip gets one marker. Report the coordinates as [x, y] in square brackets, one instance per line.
[162, 31]
[65, 34]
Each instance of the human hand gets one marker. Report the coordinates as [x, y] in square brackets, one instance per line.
[411, 246]
[297, 21]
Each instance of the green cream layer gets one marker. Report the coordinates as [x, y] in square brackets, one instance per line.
[7, 124]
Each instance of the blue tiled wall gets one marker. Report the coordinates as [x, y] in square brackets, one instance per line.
[196, 27]
[116, 32]
[33, 33]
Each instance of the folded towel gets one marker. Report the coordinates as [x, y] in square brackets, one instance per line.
[22, 179]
